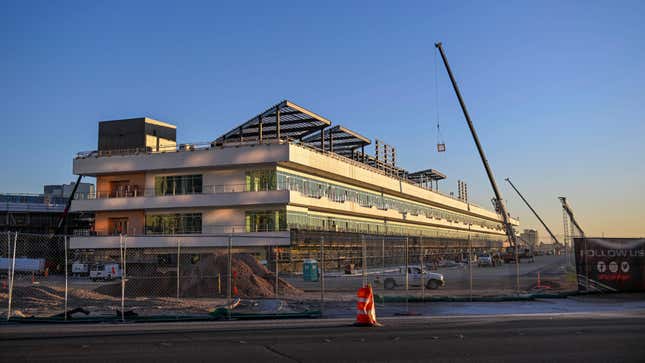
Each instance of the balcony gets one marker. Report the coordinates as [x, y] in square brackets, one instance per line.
[136, 191]
[210, 238]
[211, 196]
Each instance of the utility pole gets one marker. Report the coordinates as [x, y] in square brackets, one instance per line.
[533, 210]
[498, 196]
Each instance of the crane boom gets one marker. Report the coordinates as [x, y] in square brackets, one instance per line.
[498, 196]
[62, 221]
[569, 212]
[533, 210]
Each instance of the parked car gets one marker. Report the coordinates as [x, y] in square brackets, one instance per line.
[416, 277]
[485, 260]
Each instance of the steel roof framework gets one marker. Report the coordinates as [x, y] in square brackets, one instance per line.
[286, 120]
[339, 140]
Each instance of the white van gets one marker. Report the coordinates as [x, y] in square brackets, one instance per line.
[80, 269]
[105, 271]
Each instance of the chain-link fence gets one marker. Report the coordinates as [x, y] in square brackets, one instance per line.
[310, 273]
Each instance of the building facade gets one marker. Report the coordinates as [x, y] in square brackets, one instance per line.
[56, 192]
[530, 237]
[284, 178]
[38, 214]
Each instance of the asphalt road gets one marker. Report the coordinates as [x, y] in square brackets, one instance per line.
[608, 337]
[457, 278]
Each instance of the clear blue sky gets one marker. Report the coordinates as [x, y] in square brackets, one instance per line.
[555, 88]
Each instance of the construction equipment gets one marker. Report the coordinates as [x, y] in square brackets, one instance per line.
[533, 210]
[498, 196]
[570, 223]
[569, 213]
[441, 144]
[62, 222]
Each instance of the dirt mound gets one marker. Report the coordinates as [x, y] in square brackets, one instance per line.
[207, 277]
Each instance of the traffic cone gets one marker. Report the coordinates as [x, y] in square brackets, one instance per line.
[539, 283]
[235, 291]
[366, 310]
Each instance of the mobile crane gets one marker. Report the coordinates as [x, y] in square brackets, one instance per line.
[499, 202]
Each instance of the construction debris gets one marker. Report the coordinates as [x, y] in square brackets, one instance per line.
[207, 277]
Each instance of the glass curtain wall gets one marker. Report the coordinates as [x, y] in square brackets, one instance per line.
[318, 189]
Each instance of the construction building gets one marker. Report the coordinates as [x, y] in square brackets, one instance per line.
[39, 214]
[530, 237]
[286, 177]
[64, 191]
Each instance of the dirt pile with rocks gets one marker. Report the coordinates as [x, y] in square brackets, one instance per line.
[207, 277]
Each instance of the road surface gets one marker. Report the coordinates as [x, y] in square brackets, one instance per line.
[582, 337]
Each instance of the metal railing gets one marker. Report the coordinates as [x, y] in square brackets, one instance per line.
[205, 189]
[203, 146]
[205, 231]
[189, 147]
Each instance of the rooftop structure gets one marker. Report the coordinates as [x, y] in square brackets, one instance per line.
[285, 120]
[136, 134]
[341, 141]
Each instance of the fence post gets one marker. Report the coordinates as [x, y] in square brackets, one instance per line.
[383, 253]
[586, 264]
[423, 268]
[364, 261]
[122, 244]
[383, 270]
[517, 269]
[470, 267]
[66, 241]
[277, 269]
[229, 273]
[322, 274]
[407, 273]
[13, 270]
[178, 257]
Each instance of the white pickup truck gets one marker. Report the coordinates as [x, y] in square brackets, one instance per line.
[416, 277]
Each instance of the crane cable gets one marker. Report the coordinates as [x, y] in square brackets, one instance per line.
[441, 145]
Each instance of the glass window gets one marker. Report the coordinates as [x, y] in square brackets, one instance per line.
[174, 223]
[178, 184]
[260, 180]
[266, 221]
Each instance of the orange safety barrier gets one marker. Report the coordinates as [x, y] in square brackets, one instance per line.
[366, 310]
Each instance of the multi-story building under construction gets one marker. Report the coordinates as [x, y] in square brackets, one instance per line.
[286, 177]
